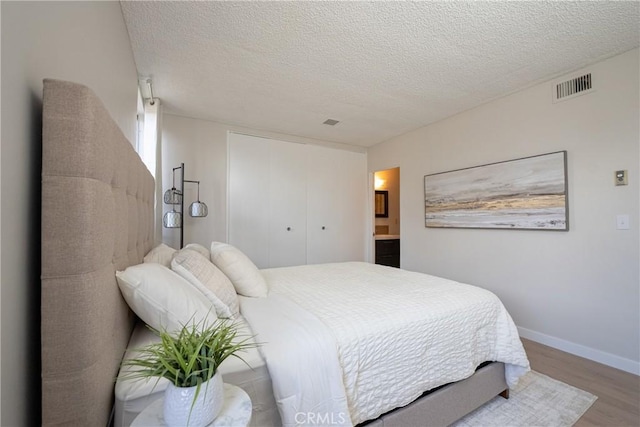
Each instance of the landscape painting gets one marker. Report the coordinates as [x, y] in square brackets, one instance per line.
[528, 193]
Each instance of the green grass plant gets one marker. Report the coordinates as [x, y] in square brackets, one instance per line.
[189, 357]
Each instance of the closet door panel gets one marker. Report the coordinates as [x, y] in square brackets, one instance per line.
[325, 206]
[249, 197]
[287, 204]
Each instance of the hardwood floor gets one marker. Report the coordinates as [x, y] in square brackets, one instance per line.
[618, 392]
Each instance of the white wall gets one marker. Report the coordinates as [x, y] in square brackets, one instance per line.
[576, 290]
[202, 146]
[85, 42]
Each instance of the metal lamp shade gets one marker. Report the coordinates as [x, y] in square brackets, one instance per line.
[172, 219]
[172, 196]
[198, 209]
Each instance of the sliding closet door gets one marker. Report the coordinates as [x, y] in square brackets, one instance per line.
[267, 200]
[324, 204]
[287, 204]
[336, 205]
[249, 197]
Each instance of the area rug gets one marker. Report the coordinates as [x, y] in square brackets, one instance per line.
[537, 400]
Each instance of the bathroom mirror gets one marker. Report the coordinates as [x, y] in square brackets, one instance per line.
[382, 204]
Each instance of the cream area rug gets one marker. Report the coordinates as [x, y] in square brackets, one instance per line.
[537, 400]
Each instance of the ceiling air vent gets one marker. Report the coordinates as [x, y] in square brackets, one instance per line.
[571, 88]
[331, 122]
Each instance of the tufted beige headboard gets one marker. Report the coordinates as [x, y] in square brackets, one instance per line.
[97, 217]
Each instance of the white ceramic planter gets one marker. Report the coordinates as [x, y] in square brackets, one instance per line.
[178, 403]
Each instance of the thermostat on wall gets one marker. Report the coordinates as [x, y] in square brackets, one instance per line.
[621, 177]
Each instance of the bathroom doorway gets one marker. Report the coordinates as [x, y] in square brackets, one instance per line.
[387, 217]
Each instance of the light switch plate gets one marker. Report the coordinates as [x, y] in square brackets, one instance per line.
[622, 222]
[621, 177]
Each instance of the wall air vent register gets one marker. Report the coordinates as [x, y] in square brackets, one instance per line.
[571, 88]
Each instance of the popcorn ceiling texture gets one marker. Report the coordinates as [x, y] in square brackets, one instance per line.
[381, 68]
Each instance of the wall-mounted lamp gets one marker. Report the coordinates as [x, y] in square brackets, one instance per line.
[198, 209]
[172, 219]
[174, 196]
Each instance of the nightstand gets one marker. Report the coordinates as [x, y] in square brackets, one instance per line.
[235, 412]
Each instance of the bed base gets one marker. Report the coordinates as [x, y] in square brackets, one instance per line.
[451, 402]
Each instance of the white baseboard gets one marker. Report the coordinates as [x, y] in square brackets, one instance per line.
[599, 356]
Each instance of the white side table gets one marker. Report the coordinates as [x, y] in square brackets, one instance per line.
[235, 412]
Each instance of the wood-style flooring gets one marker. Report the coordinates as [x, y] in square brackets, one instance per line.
[618, 403]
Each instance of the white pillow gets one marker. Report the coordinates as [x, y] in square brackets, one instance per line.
[161, 254]
[200, 249]
[206, 277]
[162, 299]
[244, 274]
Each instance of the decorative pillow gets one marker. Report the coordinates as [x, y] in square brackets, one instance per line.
[206, 277]
[161, 254]
[163, 299]
[200, 249]
[244, 274]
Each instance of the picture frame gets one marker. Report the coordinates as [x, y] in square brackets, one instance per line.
[529, 193]
[382, 204]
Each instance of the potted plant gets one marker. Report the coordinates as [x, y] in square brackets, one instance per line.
[189, 359]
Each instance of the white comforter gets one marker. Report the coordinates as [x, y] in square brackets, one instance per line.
[396, 335]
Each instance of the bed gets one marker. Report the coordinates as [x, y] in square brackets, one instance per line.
[97, 218]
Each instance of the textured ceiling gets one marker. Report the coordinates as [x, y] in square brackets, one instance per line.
[380, 68]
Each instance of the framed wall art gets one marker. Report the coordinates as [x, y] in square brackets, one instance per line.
[524, 194]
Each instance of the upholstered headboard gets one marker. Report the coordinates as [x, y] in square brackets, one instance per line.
[97, 217]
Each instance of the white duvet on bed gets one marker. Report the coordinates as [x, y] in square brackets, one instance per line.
[396, 333]
[300, 353]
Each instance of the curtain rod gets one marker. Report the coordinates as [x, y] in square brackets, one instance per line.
[150, 91]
